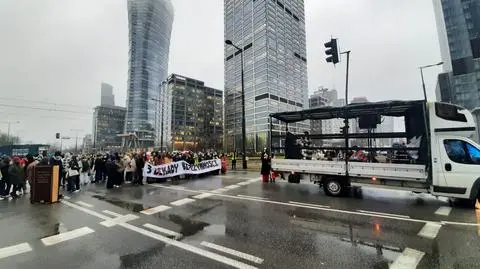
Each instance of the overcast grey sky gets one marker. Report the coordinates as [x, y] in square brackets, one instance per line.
[59, 51]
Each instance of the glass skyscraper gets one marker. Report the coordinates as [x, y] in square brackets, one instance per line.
[458, 24]
[272, 36]
[150, 26]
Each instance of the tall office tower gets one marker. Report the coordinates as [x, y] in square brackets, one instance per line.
[150, 27]
[107, 98]
[458, 25]
[272, 37]
[196, 115]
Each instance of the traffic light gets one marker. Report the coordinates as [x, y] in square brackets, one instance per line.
[57, 135]
[332, 51]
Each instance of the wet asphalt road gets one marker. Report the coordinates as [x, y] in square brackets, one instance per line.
[249, 224]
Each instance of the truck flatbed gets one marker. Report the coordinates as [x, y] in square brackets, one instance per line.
[402, 172]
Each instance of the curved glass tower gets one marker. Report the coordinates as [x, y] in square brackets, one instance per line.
[150, 26]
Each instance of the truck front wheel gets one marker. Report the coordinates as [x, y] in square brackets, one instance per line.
[333, 187]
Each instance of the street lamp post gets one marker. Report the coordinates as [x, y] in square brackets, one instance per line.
[244, 132]
[423, 80]
[76, 138]
[162, 103]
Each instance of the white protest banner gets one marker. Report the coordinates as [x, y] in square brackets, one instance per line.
[180, 168]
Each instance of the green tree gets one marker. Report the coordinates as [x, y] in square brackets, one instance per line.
[6, 140]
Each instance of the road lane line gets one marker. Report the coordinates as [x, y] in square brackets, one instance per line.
[328, 209]
[386, 214]
[220, 190]
[409, 259]
[121, 219]
[203, 195]
[246, 196]
[190, 248]
[243, 183]
[233, 252]
[163, 230]
[430, 230]
[14, 250]
[315, 205]
[66, 197]
[154, 210]
[111, 213]
[231, 187]
[85, 210]
[183, 201]
[84, 204]
[179, 187]
[444, 211]
[444, 222]
[55, 239]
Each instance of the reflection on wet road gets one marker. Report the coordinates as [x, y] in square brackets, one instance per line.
[235, 221]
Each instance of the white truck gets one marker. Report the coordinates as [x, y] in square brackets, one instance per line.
[445, 162]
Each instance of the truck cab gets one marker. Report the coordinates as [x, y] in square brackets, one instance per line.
[455, 156]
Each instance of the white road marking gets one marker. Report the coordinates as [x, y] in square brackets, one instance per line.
[231, 187]
[243, 183]
[306, 206]
[430, 230]
[167, 240]
[85, 210]
[14, 250]
[443, 222]
[246, 196]
[84, 204]
[179, 187]
[315, 205]
[233, 252]
[219, 190]
[155, 210]
[118, 220]
[203, 195]
[187, 247]
[409, 259]
[386, 214]
[55, 239]
[444, 211]
[163, 230]
[112, 213]
[66, 197]
[254, 180]
[182, 201]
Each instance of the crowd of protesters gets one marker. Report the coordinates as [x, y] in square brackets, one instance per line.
[111, 169]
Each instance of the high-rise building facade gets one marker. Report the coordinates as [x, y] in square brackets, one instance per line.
[196, 115]
[150, 27]
[108, 124]
[458, 25]
[107, 98]
[272, 36]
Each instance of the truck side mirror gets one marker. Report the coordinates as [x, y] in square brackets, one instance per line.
[448, 167]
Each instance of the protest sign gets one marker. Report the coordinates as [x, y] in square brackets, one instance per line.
[180, 168]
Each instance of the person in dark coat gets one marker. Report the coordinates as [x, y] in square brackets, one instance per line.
[5, 182]
[15, 176]
[266, 167]
[140, 164]
[111, 172]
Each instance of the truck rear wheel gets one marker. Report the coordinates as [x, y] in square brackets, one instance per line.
[333, 187]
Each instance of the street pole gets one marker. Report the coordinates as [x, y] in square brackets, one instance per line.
[244, 131]
[423, 85]
[346, 129]
[163, 112]
[8, 134]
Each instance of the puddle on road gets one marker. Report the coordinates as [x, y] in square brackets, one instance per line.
[135, 207]
[215, 229]
[189, 227]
